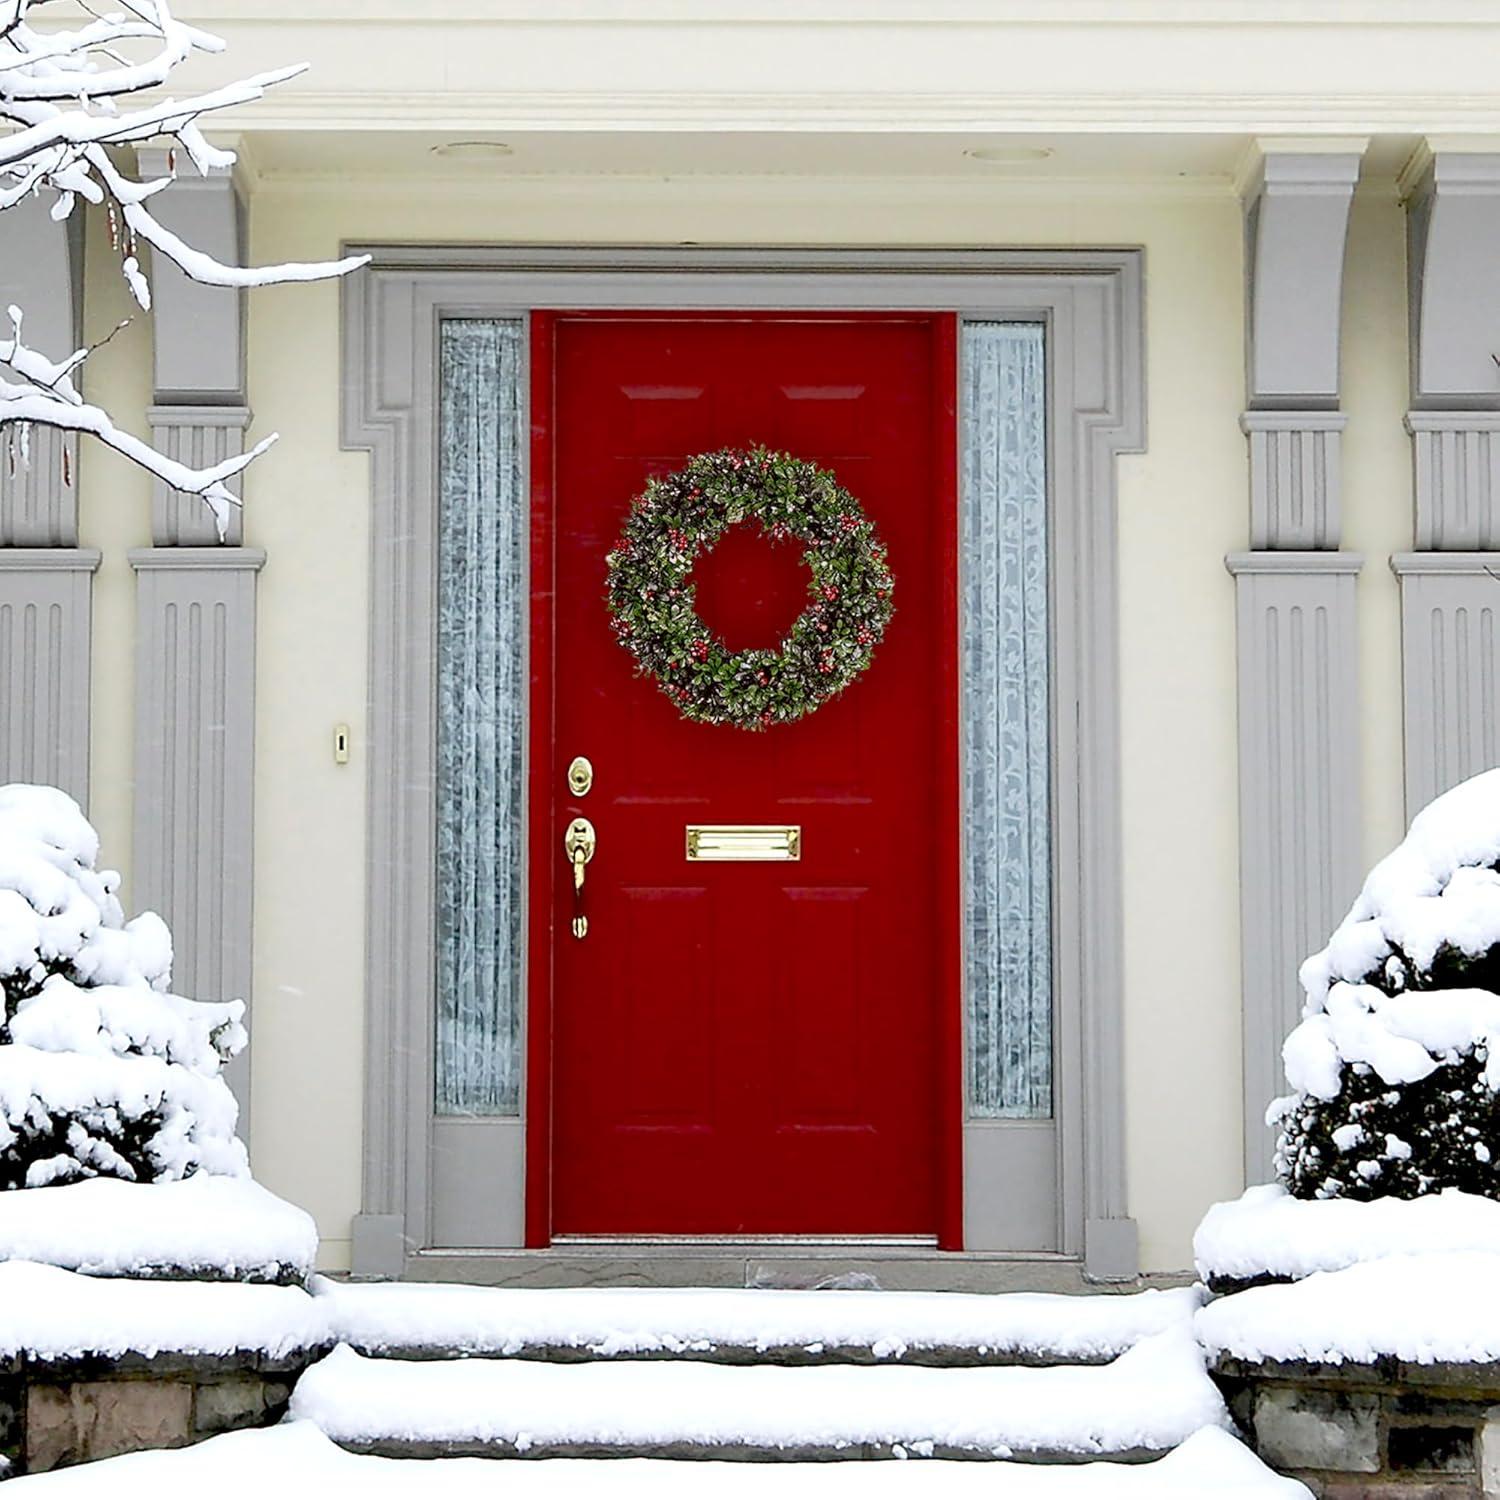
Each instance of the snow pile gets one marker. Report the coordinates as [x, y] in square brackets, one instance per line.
[635, 1321]
[1150, 1399]
[1267, 1232]
[102, 1072]
[1424, 1309]
[1392, 1064]
[210, 1227]
[296, 1459]
[52, 1314]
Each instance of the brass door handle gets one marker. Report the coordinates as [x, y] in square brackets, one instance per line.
[578, 845]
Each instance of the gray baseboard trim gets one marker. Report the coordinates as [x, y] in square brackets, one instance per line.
[745, 1266]
[1111, 1250]
[378, 1245]
[1300, 850]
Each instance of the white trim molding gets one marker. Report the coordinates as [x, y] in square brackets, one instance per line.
[1091, 302]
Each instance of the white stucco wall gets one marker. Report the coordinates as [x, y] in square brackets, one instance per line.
[1182, 507]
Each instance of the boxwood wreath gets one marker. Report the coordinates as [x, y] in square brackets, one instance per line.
[651, 596]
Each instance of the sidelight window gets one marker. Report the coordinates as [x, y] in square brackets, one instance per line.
[480, 686]
[1007, 718]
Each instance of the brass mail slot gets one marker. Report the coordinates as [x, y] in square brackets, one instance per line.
[744, 841]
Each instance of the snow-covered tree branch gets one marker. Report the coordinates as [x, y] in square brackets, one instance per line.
[70, 96]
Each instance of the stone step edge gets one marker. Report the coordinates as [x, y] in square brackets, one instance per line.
[934, 1356]
[504, 1448]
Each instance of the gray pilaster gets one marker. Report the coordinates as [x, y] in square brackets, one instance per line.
[46, 579]
[1299, 793]
[46, 596]
[1450, 606]
[1297, 197]
[38, 486]
[199, 330]
[198, 436]
[1294, 479]
[1450, 585]
[1456, 479]
[41, 272]
[195, 762]
[1295, 599]
[195, 606]
[1453, 276]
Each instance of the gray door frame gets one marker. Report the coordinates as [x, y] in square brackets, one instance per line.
[415, 1167]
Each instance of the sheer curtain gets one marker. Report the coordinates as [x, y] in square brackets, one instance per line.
[1007, 766]
[481, 589]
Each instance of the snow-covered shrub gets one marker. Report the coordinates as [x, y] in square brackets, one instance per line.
[1396, 1064]
[103, 1073]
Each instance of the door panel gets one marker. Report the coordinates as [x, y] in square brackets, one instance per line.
[747, 1048]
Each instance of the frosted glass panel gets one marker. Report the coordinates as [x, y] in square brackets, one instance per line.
[481, 589]
[1008, 855]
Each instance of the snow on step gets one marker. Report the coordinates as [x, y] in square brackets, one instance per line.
[225, 1227]
[52, 1314]
[1148, 1401]
[1267, 1232]
[295, 1459]
[790, 1326]
[1424, 1309]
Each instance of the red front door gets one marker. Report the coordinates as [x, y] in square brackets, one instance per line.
[745, 1048]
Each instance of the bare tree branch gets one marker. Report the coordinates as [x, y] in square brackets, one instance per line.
[60, 94]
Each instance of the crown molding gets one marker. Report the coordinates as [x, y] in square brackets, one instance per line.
[1338, 116]
[1203, 15]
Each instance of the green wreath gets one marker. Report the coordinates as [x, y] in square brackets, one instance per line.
[651, 598]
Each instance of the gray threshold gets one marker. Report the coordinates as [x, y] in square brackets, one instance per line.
[747, 1265]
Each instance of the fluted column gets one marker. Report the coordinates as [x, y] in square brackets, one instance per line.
[1450, 582]
[46, 578]
[1295, 592]
[195, 627]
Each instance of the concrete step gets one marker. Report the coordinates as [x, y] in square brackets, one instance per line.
[1136, 1408]
[732, 1326]
[293, 1459]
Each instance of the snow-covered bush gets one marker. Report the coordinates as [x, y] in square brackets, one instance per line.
[1396, 1064]
[103, 1073]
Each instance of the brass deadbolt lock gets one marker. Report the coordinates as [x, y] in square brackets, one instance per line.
[580, 775]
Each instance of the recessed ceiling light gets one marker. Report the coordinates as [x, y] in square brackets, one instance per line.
[1009, 155]
[473, 150]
